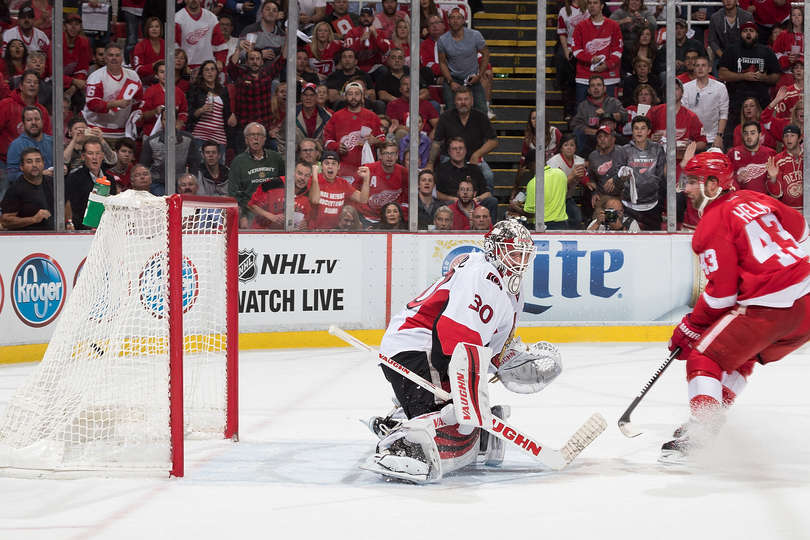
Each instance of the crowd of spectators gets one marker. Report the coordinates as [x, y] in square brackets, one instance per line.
[739, 91]
[739, 74]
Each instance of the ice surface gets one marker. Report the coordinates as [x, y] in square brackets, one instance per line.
[294, 472]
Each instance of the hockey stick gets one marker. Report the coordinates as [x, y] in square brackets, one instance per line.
[553, 458]
[624, 421]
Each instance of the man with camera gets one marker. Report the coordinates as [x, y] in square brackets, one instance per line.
[609, 217]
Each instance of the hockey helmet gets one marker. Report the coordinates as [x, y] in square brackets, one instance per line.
[714, 164]
[510, 248]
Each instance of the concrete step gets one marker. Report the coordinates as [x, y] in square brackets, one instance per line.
[523, 70]
[520, 113]
[507, 6]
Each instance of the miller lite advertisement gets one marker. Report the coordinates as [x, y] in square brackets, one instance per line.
[292, 282]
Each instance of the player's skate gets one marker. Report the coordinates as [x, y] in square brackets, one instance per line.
[690, 437]
[491, 448]
[409, 453]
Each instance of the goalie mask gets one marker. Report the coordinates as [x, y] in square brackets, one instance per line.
[509, 247]
[711, 164]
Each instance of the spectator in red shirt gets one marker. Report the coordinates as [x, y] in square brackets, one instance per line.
[428, 51]
[15, 59]
[790, 43]
[11, 112]
[368, 43]
[775, 125]
[322, 50]
[335, 191]
[154, 102]
[463, 206]
[182, 73]
[750, 160]
[752, 112]
[688, 126]
[121, 171]
[387, 19]
[388, 183]
[785, 170]
[350, 128]
[399, 109]
[767, 15]
[149, 50]
[267, 202]
[75, 49]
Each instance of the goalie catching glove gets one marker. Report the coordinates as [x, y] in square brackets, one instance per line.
[528, 369]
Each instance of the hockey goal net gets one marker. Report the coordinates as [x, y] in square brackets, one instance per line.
[145, 351]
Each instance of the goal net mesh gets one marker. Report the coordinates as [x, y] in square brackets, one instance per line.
[100, 397]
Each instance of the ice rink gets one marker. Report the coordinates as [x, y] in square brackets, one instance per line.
[294, 473]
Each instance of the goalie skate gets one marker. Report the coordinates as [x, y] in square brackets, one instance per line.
[407, 454]
[492, 450]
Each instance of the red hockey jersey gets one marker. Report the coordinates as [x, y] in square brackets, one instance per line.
[591, 43]
[788, 187]
[747, 244]
[384, 188]
[351, 129]
[750, 168]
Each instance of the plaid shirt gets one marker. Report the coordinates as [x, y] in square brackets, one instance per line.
[252, 99]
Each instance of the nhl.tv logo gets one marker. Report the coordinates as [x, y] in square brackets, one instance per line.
[38, 290]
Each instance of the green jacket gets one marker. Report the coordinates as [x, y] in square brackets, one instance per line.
[555, 187]
[247, 174]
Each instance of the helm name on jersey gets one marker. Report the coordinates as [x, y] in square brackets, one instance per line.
[748, 212]
[38, 290]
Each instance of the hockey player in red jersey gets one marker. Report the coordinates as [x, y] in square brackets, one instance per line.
[755, 308]
[473, 307]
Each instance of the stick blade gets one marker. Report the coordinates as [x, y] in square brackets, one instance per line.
[627, 429]
[585, 435]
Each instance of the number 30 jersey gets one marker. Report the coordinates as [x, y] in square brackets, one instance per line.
[470, 304]
[748, 246]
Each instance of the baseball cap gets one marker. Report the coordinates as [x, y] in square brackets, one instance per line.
[353, 84]
[26, 11]
[606, 129]
[72, 17]
[367, 10]
[792, 128]
[748, 24]
[330, 154]
[309, 86]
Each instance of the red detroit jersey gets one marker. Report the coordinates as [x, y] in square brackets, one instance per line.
[747, 243]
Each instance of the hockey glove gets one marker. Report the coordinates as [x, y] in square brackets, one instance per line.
[685, 335]
[530, 370]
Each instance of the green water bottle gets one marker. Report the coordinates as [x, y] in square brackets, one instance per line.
[95, 202]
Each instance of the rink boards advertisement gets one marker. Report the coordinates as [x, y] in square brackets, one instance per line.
[303, 281]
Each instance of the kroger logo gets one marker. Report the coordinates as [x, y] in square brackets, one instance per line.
[152, 281]
[599, 263]
[455, 255]
[38, 290]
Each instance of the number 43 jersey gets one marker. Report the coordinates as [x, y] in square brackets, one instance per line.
[748, 246]
[470, 304]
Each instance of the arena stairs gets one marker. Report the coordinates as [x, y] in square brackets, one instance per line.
[510, 30]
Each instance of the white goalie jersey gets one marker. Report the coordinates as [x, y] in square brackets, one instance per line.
[470, 304]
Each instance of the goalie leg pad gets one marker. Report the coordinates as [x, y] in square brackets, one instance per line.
[468, 387]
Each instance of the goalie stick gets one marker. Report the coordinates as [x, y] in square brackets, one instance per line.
[624, 421]
[556, 459]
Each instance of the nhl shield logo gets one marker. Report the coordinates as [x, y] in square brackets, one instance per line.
[247, 265]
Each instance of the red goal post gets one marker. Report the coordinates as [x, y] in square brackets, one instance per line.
[145, 353]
